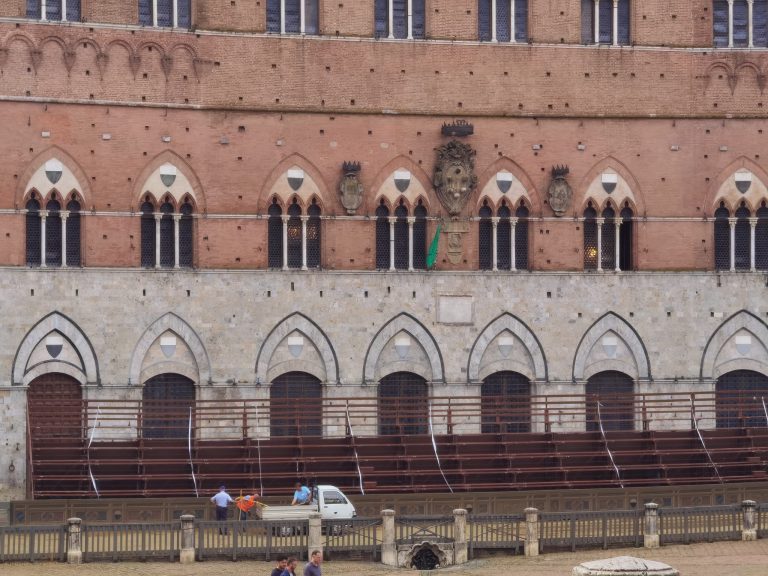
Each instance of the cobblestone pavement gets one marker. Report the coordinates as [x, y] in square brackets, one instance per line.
[718, 559]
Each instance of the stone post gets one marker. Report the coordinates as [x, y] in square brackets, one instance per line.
[74, 547]
[187, 554]
[460, 536]
[651, 532]
[388, 548]
[315, 538]
[531, 532]
[749, 530]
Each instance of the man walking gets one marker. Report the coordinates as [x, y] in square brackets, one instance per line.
[282, 564]
[222, 500]
[313, 566]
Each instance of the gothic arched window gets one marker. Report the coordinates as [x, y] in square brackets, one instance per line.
[403, 26]
[510, 25]
[625, 239]
[506, 403]
[167, 248]
[73, 233]
[761, 238]
[148, 246]
[167, 400]
[294, 12]
[613, 391]
[521, 238]
[382, 237]
[590, 238]
[722, 239]
[294, 235]
[605, 22]
[313, 235]
[53, 233]
[420, 237]
[275, 235]
[485, 240]
[401, 237]
[403, 404]
[742, 236]
[289, 396]
[34, 233]
[186, 236]
[503, 237]
[608, 239]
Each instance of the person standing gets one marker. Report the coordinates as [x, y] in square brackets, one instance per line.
[290, 568]
[313, 566]
[282, 564]
[222, 500]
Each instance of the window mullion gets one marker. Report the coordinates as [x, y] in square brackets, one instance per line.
[302, 17]
[732, 223]
[392, 220]
[410, 19]
[411, 221]
[597, 21]
[494, 33]
[282, 16]
[63, 10]
[752, 227]
[750, 23]
[158, 218]
[154, 13]
[64, 215]
[730, 23]
[285, 218]
[176, 219]
[391, 16]
[615, 22]
[495, 225]
[600, 222]
[176, 25]
[512, 37]
[43, 217]
[304, 219]
[617, 252]
[512, 244]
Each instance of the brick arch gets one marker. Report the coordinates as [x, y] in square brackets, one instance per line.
[175, 324]
[266, 194]
[507, 323]
[298, 322]
[170, 157]
[506, 163]
[54, 152]
[741, 320]
[611, 322]
[403, 322]
[55, 321]
[387, 170]
[712, 199]
[581, 199]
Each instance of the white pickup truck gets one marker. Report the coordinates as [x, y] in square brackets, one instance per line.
[328, 500]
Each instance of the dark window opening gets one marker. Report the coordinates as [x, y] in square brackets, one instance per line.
[614, 391]
[743, 252]
[73, 234]
[294, 236]
[53, 234]
[506, 403]
[722, 239]
[275, 236]
[34, 233]
[186, 236]
[382, 237]
[521, 239]
[167, 243]
[420, 238]
[403, 404]
[625, 239]
[148, 236]
[485, 240]
[401, 238]
[167, 402]
[293, 399]
[608, 239]
[590, 239]
[739, 399]
[313, 236]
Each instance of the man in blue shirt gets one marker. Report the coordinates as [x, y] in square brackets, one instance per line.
[302, 495]
[222, 500]
[313, 566]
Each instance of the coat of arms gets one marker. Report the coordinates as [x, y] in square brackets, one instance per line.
[350, 188]
[560, 192]
[455, 177]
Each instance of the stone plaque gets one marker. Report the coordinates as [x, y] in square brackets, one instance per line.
[452, 309]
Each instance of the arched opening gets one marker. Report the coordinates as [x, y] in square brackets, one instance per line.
[294, 235]
[761, 238]
[275, 235]
[590, 238]
[742, 246]
[147, 234]
[614, 392]
[382, 236]
[53, 233]
[54, 408]
[313, 235]
[186, 237]
[505, 403]
[167, 248]
[485, 240]
[625, 239]
[739, 397]
[722, 239]
[401, 237]
[521, 238]
[34, 233]
[166, 403]
[503, 237]
[403, 405]
[420, 237]
[295, 405]
[73, 233]
[608, 237]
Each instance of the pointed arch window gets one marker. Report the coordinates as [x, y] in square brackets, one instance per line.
[34, 233]
[521, 238]
[605, 22]
[614, 392]
[312, 236]
[502, 20]
[625, 239]
[382, 236]
[590, 238]
[292, 16]
[287, 415]
[403, 19]
[71, 236]
[485, 241]
[54, 10]
[420, 237]
[185, 235]
[608, 247]
[294, 235]
[403, 404]
[301, 236]
[52, 225]
[761, 238]
[401, 237]
[722, 238]
[607, 239]
[742, 233]
[504, 237]
[165, 13]
[147, 234]
[275, 235]
[166, 235]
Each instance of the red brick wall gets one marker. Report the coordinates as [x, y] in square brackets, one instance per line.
[111, 12]
[555, 21]
[239, 16]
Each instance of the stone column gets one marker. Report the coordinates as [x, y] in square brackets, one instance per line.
[615, 22]
[391, 18]
[752, 227]
[730, 23]
[176, 220]
[410, 19]
[512, 244]
[495, 231]
[531, 532]
[304, 219]
[388, 548]
[749, 530]
[315, 537]
[43, 218]
[750, 22]
[302, 17]
[64, 216]
[460, 555]
[651, 532]
[282, 17]
[596, 19]
[732, 223]
[392, 220]
[600, 222]
[187, 554]
[493, 22]
[158, 217]
[617, 266]
[411, 222]
[285, 218]
[512, 23]
[74, 547]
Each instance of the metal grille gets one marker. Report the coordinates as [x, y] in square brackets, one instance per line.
[53, 234]
[73, 234]
[167, 245]
[401, 238]
[761, 239]
[588, 21]
[148, 235]
[484, 20]
[400, 18]
[760, 23]
[53, 10]
[521, 239]
[381, 16]
[73, 10]
[614, 391]
[506, 403]
[186, 237]
[419, 19]
[739, 400]
[521, 20]
[34, 234]
[313, 237]
[403, 404]
[145, 12]
[273, 16]
[293, 410]
[722, 240]
[590, 239]
[608, 255]
[183, 13]
[33, 9]
[740, 23]
[293, 16]
[625, 239]
[606, 21]
[165, 12]
[624, 22]
[503, 8]
[720, 23]
[311, 17]
[503, 239]
[382, 237]
[485, 240]
[166, 401]
[742, 252]
[54, 408]
[420, 238]
[275, 236]
[294, 236]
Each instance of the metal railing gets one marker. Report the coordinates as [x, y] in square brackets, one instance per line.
[32, 543]
[250, 539]
[130, 541]
[358, 535]
[590, 529]
[685, 525]
[496, 532]
[415, 529]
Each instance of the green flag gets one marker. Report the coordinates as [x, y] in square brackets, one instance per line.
[432, 256]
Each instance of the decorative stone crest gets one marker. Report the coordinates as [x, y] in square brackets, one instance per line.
[560, 192]
[455, 177]
[350, 187]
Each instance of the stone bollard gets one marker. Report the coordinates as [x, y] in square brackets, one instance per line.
[749, 529]
[74, 547]
[315, 537]
[460, 555]
[388, 548]
[187, 554]
[651, 532]
[531, 532]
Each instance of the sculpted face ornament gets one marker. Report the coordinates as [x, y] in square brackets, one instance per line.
[455, 177]
[350, 187]
[560, 192]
